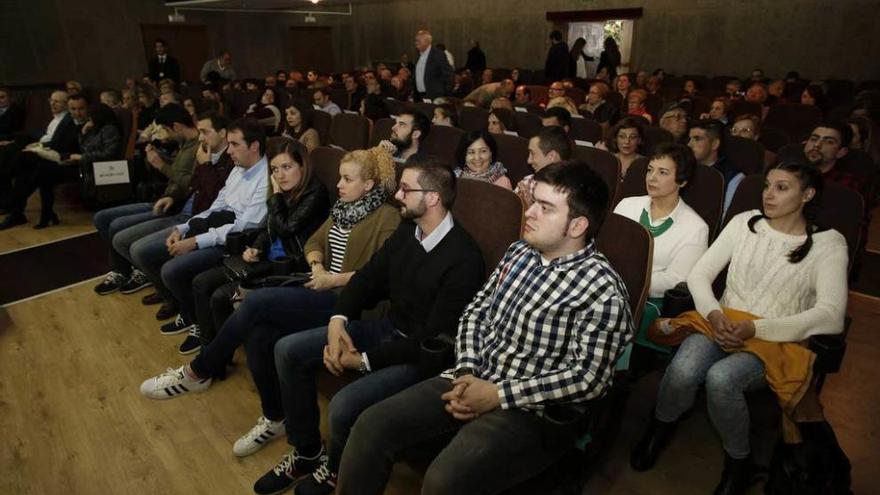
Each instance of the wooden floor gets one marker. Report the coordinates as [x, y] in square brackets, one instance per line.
[72, 420]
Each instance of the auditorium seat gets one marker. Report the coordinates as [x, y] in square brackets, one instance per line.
[381, 130]
[746, 154]
[742, 107]
[442, 142]
[773, 139]
[321, 121]
[795, 119]
[473, 118]
[585, 130]
[349, 131]
[655, 136]
[527, 124]
[492, 215]
[325, 165]
[603, 163]
[513, 152]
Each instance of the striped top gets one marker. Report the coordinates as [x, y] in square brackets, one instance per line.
[338, 238]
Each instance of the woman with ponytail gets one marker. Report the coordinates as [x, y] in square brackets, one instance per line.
[786, 281]
[360, 222]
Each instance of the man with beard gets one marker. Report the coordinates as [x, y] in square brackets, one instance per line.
[545, 330]
[410, 130]
[826, 146]
[429, 269]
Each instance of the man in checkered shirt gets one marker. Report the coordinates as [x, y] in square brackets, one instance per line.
[546, 328]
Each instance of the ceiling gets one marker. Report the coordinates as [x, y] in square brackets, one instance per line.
[335, 5]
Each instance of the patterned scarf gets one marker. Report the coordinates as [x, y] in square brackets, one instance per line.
[491, 174]
[346, 215]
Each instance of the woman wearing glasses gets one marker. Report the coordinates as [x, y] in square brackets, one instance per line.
[359, 223]
[625, 141]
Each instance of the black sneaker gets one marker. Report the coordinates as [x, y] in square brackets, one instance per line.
[321, 482]
[111, 283]
[168, 310]
[175, 327]
[292, 467]
[192, 343]
[151, 299]
[136, 282]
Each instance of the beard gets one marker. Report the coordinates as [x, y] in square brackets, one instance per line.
[412, 213]
[402, 143]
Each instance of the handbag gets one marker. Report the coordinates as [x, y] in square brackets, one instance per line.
[817, 465]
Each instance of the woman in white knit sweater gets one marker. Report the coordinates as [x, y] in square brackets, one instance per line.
[780, 269]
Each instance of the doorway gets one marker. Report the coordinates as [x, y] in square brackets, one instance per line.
[187, 43]
[595, 33]
[311, 48]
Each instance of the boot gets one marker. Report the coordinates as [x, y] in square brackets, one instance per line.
[46, 219]
[13, 219]
[645, 455]
[736, 478]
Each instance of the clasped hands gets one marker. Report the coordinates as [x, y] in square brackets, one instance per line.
[178, 246]
[340, 354]
[470, 397]
[730, 335]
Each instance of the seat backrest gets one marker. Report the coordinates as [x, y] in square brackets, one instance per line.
[425, 108]
[325, 165]
[349, 131]
[585, 130]
[742, 107]
[442, 142]
[513, 152]
[128, 127]
[507, 115]
[655, 136]
[473, 118]
[381, 130]
[321, 121]
[340, 97]
[795, 119]
[396, 107]
[630, 250]
[746, 154]
[603, 163]
[576, 94]
[37, 112]
[539, 92]
[528, 124]
[492, 215]
[773, 139]
[704, 192]
[839, 209]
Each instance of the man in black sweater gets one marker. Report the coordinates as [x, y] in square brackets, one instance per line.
[429, 270]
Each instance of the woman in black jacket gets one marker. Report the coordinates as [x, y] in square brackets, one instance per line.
[298, 205]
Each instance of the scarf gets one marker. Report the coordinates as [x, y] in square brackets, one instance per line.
[490, 175]
[346, 215]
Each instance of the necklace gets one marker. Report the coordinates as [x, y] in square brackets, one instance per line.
[657, 231]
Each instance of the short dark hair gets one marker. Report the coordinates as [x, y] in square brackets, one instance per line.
[842, 128]
[114, 94]
[218, 121]
[714, 129]
[587, 194]
[561, 114]
[251, 130]
[160, 40]
[448, 110]
[625, 123]
[78, 97]
[436, 176]
[682, 156]
[553, 138]
[556, 35]
[421, 122]
[174, 113]
[470, 138]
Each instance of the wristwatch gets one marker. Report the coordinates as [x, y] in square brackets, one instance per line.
[362, 368]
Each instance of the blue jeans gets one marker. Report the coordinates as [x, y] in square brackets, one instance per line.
[728, 376]
[299, 356]
[125, 239]
[264, 317]
[111, 221]
[178, 274]
[148, 254]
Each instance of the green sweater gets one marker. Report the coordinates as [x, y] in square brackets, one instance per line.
[180, 171]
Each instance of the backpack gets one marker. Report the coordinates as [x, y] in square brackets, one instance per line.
[816, 466]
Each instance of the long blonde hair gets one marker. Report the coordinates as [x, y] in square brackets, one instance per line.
[376, 165]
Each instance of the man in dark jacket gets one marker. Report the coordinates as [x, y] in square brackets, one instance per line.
[163, 66]
[556, 66]
[476, 59]
[11, 116]
[433, 74]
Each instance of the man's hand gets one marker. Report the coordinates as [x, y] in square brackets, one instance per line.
[453, 403]
[75, 157]
[524, 191]
[161, 206]
[182, 247]
[172, 238]
[202, 154]
[476, 397]
[154, 159]
[388, 146]
[251, 255]
[338, 343]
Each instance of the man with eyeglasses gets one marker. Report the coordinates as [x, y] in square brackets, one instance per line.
[407, 134]
[674, 119]
[429, 269]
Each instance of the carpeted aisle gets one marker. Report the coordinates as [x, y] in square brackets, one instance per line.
[43, 268]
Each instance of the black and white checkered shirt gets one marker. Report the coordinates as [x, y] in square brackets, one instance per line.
[546, 332]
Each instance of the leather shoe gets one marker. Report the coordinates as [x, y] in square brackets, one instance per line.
[167, 311]
[151, 299]
[12, 220]
[655, 440]
[736, 478]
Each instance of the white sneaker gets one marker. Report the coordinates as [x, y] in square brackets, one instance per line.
[173, 383]
[261, 434]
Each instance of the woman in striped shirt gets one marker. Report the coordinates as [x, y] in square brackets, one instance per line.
[359, 223]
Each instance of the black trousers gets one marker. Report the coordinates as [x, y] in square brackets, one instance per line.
[33, 172]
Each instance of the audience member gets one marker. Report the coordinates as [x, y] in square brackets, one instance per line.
[476, 156]
[674, 118]
[449, 57]
[355, 93]
[706, 140]
[489, 419]
[603, 111]
[815, 96]
[407, 134]
[485, 94]
[433, 74]
[556, 65]
[499, 122]
[746, 126]
[298, 124]
[265, 110]
[718, 110]
[576, 55]
[476, 59]
[163, 66]
[733, 89]
[827, 145]
[222, 66]
[635, 104]
[625, 141]
[111, 98]
[522, 96]
[609, 59]
[445, 115]
[563, 102]
[550, 145]
[557, 116]
[323, 103]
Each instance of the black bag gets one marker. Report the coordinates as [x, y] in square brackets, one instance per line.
[816, 466]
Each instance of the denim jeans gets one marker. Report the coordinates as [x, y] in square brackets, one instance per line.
[299, 356]
[264, 317]
[111, 221]
[489, 454]
[125, 239]
[727, 377]
[178, 274]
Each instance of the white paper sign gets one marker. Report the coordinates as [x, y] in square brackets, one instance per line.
[583, 143]
[521, 109]
[115, 172]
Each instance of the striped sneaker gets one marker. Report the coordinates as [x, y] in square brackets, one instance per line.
[262, 433]
[173, 383]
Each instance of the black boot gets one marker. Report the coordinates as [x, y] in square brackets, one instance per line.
[13, 219]
[736, 478]
[645, 455]
[46, 219]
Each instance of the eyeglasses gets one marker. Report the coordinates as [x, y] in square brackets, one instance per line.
[676, 116]
[740, 130]
[406, 190]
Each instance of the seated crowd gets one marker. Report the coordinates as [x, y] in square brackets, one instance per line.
[245, 245]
